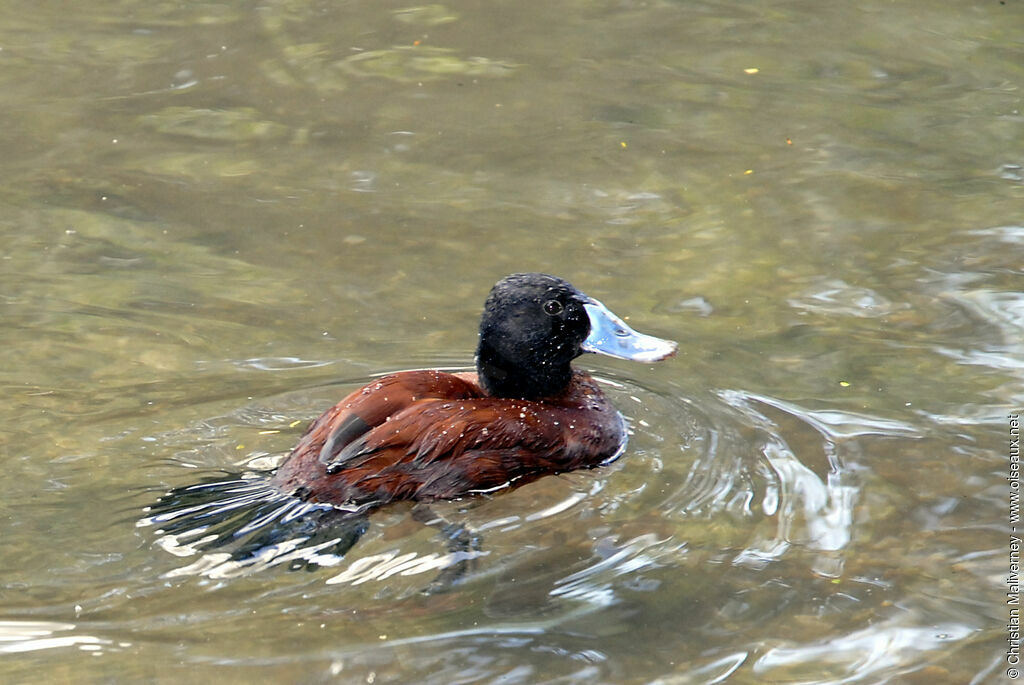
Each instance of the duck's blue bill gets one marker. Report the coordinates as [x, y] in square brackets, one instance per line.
[611, 336]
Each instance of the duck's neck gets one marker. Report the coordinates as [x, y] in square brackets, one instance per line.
[533, 380]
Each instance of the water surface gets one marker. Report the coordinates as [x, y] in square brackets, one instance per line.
[220, 218]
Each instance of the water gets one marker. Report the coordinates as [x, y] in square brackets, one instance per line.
[218, 219]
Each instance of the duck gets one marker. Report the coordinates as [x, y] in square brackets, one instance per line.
[422, 436]
[525, 412]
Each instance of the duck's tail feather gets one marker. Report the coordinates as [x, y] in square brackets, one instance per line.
[238, 525]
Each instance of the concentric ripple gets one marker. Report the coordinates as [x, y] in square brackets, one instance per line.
[733, 471]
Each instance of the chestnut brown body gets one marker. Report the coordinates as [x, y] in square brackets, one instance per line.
[424, 435]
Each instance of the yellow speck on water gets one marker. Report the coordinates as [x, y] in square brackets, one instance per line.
[239, 447]
[751, 70]
[748, 172]
[269, 432]
[294, 423]
[844, 384]
[623, 144]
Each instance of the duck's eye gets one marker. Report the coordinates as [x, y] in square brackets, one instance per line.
[553, 308]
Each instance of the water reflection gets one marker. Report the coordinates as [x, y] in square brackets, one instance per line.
[204, 203]
[238, 525]
[380, 567]
[242, 525]
[28, 636]
[863, 654]
[746, 488]
[814, 510]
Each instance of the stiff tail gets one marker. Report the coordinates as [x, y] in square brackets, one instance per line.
[237, 525]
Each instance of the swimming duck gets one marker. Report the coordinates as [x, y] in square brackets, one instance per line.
[423, 436]
[526, 412]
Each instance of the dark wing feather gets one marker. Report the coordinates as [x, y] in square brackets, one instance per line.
[375, 404]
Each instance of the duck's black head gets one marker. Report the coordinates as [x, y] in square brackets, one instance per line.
[534, 325]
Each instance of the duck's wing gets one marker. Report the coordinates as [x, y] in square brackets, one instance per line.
[373, 405]
[442, 448]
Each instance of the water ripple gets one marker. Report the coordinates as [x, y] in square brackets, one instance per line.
[834, 296]
[28, 636]
[862, 654]
[833, 424]
[813, 509]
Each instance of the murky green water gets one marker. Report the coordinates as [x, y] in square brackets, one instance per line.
[219, 218]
